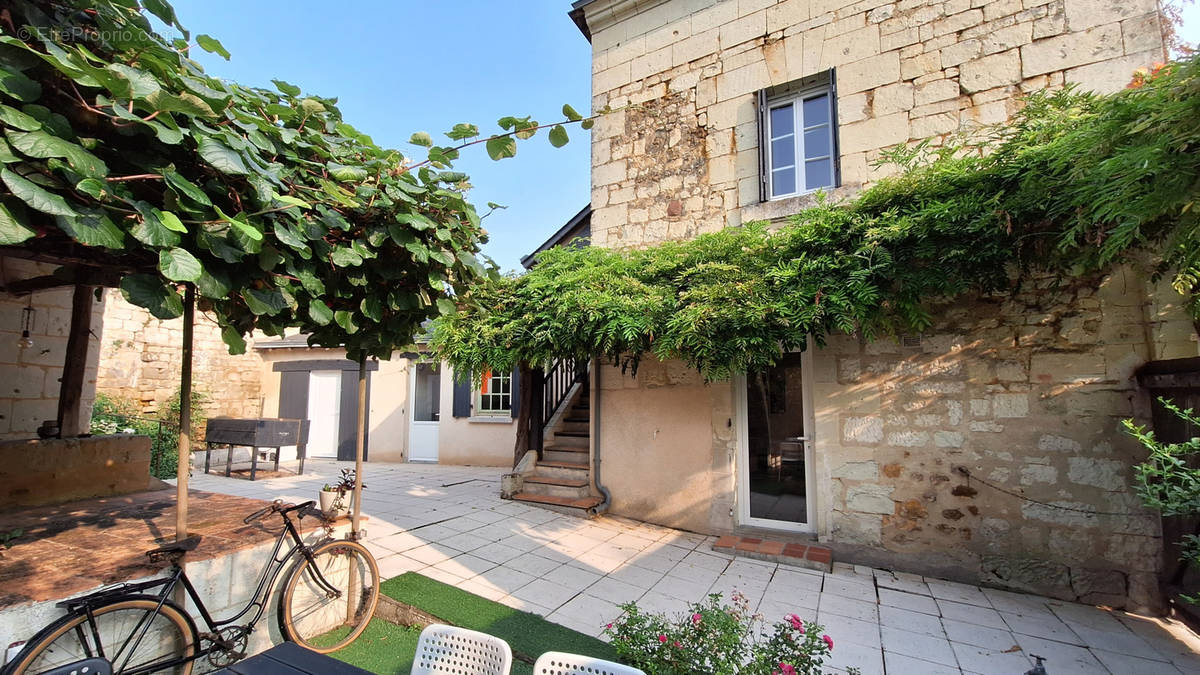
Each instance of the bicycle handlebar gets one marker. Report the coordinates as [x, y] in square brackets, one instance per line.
[277, 506]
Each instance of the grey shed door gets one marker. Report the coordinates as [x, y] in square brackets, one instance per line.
[293, 404]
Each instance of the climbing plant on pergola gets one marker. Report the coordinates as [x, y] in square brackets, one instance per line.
[123, 161]
[119, 152]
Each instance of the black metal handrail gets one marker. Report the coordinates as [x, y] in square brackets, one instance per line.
[552, 386]
[562, 375]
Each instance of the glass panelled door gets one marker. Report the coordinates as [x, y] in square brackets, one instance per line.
[774, 475]
[426, 413]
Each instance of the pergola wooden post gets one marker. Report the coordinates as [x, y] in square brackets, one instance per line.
[359, 443]
[185, 416]
[70, 392]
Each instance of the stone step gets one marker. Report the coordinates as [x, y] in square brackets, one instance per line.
[582, 419]
[583, 427]
[547, 480]
[556, 469]
[573, 507]
[570, 439]
[566, 488]
[556, 453]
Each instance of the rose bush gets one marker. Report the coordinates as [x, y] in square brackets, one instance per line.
[719, 639]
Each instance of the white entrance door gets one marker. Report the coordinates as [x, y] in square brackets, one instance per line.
[775, 457]
[324, 404]
[426, 403]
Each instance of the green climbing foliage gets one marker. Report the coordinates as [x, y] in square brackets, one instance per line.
[1075, 183]
[118, 151]
[1169, 479]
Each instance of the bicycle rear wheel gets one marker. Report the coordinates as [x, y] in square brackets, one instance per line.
[325, 620]
[171, 635]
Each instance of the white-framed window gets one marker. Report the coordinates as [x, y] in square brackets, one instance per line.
[494, 396]
[799, 137]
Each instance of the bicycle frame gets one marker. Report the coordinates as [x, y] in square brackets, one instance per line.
[177, 576]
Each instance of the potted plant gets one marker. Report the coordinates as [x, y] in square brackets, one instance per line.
[329, 495]
[338, 499]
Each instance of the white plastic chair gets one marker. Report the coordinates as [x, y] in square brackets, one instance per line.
[561, 663]
[447, 649]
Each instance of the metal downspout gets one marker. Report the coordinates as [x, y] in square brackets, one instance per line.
[595, 420]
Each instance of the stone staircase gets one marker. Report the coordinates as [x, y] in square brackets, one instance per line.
[561, 480]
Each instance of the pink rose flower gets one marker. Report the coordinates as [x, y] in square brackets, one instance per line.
[696, 619]
[609, 626]
[662, 638]
[676, 643]
[828, 640]
[796, 622]
[784, 669]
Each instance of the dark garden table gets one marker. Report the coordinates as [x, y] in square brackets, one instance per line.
[290, 658]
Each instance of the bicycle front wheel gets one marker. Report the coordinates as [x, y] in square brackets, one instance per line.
[328, 601]
[169, 637]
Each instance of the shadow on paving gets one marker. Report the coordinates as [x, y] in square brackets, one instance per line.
[69, 548]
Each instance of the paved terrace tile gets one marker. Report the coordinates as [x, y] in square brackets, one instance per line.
[448, 523]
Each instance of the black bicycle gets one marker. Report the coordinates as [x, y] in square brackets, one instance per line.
[327, 599]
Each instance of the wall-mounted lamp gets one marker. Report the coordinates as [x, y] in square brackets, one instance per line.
[27, 315]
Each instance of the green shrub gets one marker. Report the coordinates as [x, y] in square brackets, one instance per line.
[119, 415]
[719, 639]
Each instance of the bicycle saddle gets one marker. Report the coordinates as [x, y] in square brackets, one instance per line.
[174, 550]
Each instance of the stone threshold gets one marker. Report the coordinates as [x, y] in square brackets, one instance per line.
[770, 550]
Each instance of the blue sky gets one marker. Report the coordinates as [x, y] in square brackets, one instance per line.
[1191, 23]
[403, 66]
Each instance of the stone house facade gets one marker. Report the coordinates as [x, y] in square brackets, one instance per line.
[987, 449]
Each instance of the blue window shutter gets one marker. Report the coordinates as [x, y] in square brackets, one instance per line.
[516, 392]
[463, 394]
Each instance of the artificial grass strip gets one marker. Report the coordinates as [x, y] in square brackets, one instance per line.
[385, 648]
[525, 633]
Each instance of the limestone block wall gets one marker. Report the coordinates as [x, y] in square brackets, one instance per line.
[680, 157]
[30, 376]
[140, 359]
[1025, 391]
